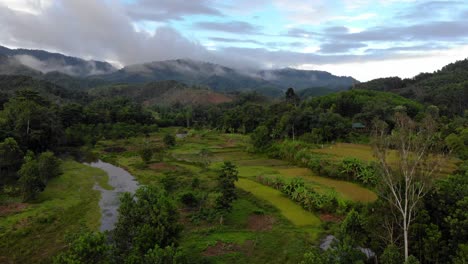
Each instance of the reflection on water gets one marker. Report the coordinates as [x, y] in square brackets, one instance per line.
[122, 181]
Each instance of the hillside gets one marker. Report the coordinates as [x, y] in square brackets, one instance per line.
[162, 93]
[45, 62]
[224, 79]
[303, 79]
[9, 84]
[446, 88]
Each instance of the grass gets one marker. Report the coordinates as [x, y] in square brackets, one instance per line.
[347, 190]
[68, 204]
[360, 151]
[365, 153]
[290, 210]
[294, 230]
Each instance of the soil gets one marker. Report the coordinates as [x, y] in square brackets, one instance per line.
[330, 218]
[161, 166]
[260, 222]
[228, 144]
[12, 208]
[221, 248]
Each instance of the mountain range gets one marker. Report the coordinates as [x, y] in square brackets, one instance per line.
[74, 72]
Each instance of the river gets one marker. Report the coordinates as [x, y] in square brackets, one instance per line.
[122, 181]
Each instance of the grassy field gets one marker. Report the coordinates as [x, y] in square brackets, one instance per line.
[69, 203]
[365, 153]
[291, 229]
[290, 210]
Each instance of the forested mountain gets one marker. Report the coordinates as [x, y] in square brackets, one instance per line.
[76, 73]
[303, 79]
[164, 93]
[446, 88]
[10, 84]
[221, 78]
[10, 65]
[45, 62]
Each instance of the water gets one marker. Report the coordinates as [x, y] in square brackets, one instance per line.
[122, 181]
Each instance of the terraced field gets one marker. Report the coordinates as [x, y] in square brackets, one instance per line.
[291, 211]
[260, 216]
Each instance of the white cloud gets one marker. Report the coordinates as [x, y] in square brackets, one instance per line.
[405, 68]
[30, 6]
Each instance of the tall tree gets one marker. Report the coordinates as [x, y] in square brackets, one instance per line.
[409, 157]
[146, 219]
[226, 180]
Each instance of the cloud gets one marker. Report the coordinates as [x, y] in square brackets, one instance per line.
[234, 40]
[418, 48]
[94, 29]
[239, 27]
[163, 10]
[300, 33]
[305, 12]
[432, 31]
[340, 47]
[429, 10]
[336, 30]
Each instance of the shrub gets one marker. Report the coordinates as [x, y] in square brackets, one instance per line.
[169, 140]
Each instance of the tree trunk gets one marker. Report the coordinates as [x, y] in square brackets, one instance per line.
[405, 237]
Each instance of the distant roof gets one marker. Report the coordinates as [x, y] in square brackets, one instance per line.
[358, 125]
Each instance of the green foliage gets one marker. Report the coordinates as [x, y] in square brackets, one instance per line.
[32, 122]
[30, 181]
[146, 154]
[445, 88]
[391, 255]
[146, 219]
[166, 255]
[189, 199]
[314, 257]
[36, 172]
[169, 140]
[353, 229]
[462, 254]
[87, 247]
[412, 260]
[296, 190]
[11, 157]
[226, 179]
[458, 143]
[261, 138]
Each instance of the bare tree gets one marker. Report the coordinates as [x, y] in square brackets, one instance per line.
[409, 157]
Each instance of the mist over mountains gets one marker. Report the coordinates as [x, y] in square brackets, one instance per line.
[75, 72]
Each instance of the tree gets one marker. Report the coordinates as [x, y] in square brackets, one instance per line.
[146, 219]
[418, 157]
[391, 255]
[291, 96]
[30, 180]
[146, 154]
[87, 247]
[48, 166]
[32, 121]
[169, 140]
[226, 186]
[353, 229]
[261, 138]
[11, 158]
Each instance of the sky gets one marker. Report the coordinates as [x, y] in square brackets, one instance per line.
[365, 39]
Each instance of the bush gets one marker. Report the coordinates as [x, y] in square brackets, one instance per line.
[146, 154]
[189, 199]
[169, 140]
